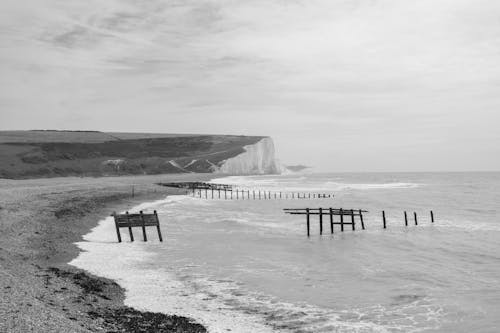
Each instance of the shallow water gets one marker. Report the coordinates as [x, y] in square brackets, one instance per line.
[244, 265]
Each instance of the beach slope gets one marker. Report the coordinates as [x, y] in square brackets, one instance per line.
[40, 219]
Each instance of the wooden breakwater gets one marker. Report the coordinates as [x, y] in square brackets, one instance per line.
[229, 192]
[141, 220]
[346, 217]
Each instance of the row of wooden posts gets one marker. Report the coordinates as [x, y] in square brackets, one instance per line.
[231, 194]
[351, 215]
[415, 219]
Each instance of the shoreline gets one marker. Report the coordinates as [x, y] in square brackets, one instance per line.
[40, 220]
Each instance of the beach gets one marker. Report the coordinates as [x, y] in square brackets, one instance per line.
[40, 220]
[241, 265]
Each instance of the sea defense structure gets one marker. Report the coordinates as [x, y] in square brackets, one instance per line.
[229, 192]
[415, 219]
[136, 220]
[344, 214]
[346, 217]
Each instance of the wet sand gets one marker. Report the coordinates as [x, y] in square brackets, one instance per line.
[40, 219]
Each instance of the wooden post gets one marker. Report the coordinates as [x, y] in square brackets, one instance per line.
[352, 220]
[361, 218]
[415, 217]
[130, 231]
[212, 193]
[237, 194]
[341, 220]
[275, 195]
[158, 227]
[117, 229]
[144, 236]
[206, 193]
[280, 195]
[293, 195]
[406, 219]
[308, 221]
[225, 194]
[331, 220]
[253, 194]
[321, 221]
[231, 194]
[219, 192]
[248, 192]
[432, 216]
[259, 194]
[383, 218]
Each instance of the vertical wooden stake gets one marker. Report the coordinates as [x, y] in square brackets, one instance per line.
[308, 222]
[415, 217]
[352, 220]
[130, 231]
[293, 195]
[144, 236]
[237, 194]
[406, 219]
[321, 221]
[259, 194]
[280, 195]
[383, 218]
[158, 227]
[361, 219]
[225, 194]
[212, 193]
[341, 220]
[117, 229]
[331, 220]
[219, 192]
[432, 216]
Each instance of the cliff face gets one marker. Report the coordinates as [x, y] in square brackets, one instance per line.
[258, 158]
[34, 154]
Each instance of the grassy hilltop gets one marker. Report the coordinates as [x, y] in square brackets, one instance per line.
[34, 154]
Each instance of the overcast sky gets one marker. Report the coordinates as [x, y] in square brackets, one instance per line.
[373, 85]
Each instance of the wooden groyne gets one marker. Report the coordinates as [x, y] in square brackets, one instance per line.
[405, 218]
[345, 217]
[136, 220]
[229, 192]
[245, 194]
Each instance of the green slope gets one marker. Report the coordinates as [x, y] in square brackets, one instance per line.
[32, 154]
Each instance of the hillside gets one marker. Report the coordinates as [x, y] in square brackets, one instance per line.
[33, 154]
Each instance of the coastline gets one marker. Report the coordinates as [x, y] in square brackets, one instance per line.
[40, 220]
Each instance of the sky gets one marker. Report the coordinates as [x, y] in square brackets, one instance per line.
[340, 85]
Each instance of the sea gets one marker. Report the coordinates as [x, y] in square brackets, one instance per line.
[240, 265]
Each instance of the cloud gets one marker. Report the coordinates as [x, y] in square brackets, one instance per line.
[315, 73]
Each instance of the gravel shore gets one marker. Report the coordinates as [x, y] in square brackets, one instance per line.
[40, 219]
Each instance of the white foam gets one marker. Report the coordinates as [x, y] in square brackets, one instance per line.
[303, 184]
[149, 287]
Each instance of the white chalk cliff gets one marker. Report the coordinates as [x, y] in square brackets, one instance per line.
[258, 159]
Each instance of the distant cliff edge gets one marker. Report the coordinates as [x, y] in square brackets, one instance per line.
[35, 154]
